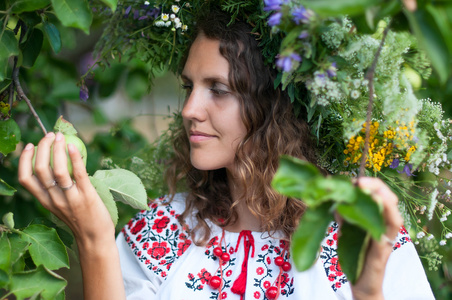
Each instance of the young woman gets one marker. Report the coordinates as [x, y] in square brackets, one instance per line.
[229, 236]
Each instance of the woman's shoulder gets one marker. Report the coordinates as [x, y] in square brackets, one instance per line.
[156, 237]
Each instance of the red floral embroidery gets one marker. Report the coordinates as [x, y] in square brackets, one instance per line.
[158, 250]
[161, 247]
[228, 273]
[204, 276]
[160, 224]
[138, 226]
[257, 295]
[213, 242]
[224, 295]
[183, 247]
[267, 272]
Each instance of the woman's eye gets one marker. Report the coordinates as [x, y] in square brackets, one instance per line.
[187, 88]
[218, 92]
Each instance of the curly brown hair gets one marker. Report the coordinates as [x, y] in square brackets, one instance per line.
[272, 130]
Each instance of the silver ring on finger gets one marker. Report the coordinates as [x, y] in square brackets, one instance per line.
[65, 188]
[388, 240]
[53, 184]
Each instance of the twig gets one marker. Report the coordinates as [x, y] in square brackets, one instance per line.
[370, 77]
[21, 95]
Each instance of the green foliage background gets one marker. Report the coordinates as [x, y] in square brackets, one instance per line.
[47, 40]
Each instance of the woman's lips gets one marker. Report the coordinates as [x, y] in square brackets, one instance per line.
[196, 136]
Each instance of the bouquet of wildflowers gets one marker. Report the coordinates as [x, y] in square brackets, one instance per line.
[324, 65]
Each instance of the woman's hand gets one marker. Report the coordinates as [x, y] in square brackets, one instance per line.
[75, 202]
[370, 283]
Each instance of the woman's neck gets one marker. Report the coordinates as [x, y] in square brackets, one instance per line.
[246, 220]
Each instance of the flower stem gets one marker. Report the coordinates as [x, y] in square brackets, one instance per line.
[370, 77]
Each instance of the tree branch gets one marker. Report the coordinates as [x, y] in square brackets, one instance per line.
[21, 95]
[370, 77]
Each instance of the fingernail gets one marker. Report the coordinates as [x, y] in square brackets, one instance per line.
[70, 148]
[49, 134]
[59, 136]
[29, 146]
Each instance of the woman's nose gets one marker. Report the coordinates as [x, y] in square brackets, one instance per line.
[194, 107]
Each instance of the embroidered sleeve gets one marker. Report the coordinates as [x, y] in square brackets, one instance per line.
[328, 255]
[156, 237]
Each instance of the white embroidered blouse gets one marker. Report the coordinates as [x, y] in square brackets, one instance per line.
[159, 261]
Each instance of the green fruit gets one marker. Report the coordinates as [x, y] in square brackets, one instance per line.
[413, 77]
[78, 143]
[70, 139]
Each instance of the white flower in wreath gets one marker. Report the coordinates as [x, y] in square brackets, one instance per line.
[175, 8]
[165, 17]
[159, 23]
[355, 94]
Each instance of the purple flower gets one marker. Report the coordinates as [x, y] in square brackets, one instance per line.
[331, 71]
[275, 19]
[395, 163]
[84, 93]
[285, 62]
[301, 15]
[304, 34]
[126, 13]
[407, 170]
[136, 14]
[320, 76]
[273, 5]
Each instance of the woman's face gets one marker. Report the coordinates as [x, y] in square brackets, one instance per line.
[211, 111]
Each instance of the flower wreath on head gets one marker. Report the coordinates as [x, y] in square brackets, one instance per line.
[323, 63]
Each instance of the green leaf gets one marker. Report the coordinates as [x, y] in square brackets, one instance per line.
[46, 247]
[53, 35]
[19, 246]
[65, 127]
[125, 186]
[351, 250]
[32, 48]
[4, 279]
[73, 13]
[337, 8]
[6, 189]
[293, 176]
[365, 213]
[104, 193]
[18, 6]
[9, 136]
[310, 232]
[431, 40]
[111, 3]
[37, 282]
[5, 252]
[8, 48]
[8, 220]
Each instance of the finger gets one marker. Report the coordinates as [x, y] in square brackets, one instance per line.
[43, 170]
[79, 169]
[28, 180]
[389, 201]
[60, 168]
